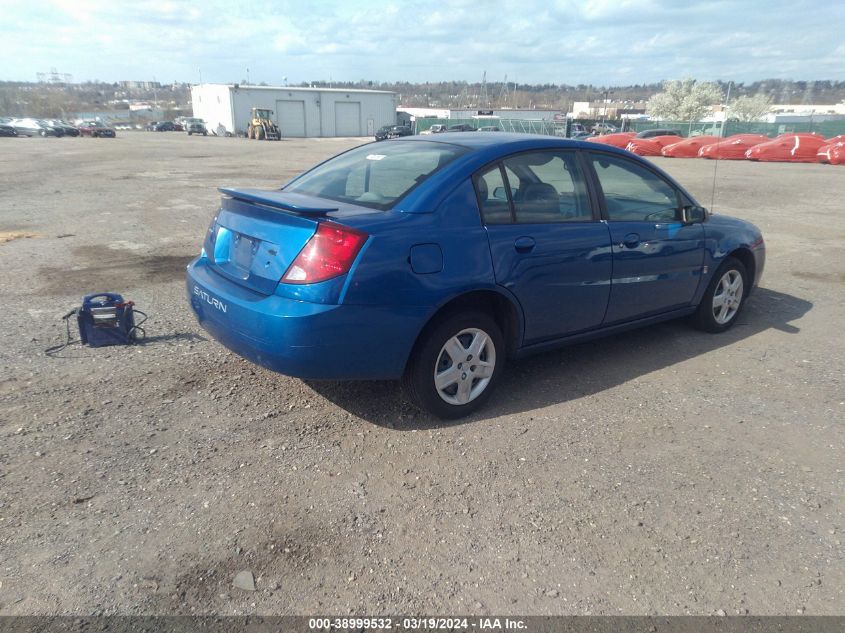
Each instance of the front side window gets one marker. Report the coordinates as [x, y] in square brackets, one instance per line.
[633, 193]
[375, 176]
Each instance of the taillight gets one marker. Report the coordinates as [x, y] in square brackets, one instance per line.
[329, 253]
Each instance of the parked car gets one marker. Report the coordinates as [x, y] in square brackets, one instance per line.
[650, 146]
[162, 126]
[657, 132]
[437, 128]
[67, 128]
[433, 260]
[688, 147]
[381, 133]
[31, 127]
[393, 131]
[620, 139]
[788, 148]
[490, 128]
[96, 129]
[733, 147]
[196, 127]
[7, 130]
[461, 127]
[604, 128]
[48, 129]
[577, 128]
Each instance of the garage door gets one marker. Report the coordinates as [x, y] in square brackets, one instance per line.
[347, 118]
[290, 115]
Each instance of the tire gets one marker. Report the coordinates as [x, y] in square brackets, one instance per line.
[474, 381]
[259, 133]
[724, 298]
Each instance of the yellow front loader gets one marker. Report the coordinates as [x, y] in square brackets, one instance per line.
[262, 127]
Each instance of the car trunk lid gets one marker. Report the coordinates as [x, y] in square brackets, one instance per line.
[257, 234]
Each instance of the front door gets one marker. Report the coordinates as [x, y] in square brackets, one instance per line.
[547, 247]
[657, 259]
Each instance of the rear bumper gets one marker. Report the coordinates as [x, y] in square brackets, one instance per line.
[303, 339]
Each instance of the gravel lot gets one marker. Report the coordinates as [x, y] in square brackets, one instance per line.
[664, 471]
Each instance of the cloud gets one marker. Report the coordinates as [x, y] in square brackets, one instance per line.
[535, 41]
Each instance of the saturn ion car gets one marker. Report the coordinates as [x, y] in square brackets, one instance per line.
[435, 259]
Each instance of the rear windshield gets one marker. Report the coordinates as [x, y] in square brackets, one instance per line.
[376, 175]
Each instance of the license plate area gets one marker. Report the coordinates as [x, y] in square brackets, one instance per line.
[242, 254]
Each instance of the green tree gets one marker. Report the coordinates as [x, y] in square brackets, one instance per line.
[684, 100]
[749, 108]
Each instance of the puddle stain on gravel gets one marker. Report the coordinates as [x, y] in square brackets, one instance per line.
[103, 268]
[286, 552]
[833, 277]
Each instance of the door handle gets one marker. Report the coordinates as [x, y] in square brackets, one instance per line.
[632, 240]
[524, 244]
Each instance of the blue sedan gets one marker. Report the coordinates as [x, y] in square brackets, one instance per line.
[435, 258]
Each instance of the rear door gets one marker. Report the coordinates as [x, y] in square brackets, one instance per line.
[657, 259]
[548, 247]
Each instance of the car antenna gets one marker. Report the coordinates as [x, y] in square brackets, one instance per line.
[721, 136]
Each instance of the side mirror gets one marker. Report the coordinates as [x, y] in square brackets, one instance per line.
[692, 214]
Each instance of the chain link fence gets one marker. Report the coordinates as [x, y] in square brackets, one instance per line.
[524, 126]
[827, 129]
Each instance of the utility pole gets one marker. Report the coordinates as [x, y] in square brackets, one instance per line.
[725, 117]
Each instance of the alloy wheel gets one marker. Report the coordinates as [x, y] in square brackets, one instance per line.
[728, 297]
[464, 366]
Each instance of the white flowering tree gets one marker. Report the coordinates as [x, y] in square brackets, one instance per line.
[749, 108]
[684, 100]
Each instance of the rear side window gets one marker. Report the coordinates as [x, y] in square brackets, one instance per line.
[550, 188]
[375, 176]
[493, 197]
[633, 193]
[534, 188]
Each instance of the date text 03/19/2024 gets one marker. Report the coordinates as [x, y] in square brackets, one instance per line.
[417, 624]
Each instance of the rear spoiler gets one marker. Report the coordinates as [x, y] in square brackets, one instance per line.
[277, 200]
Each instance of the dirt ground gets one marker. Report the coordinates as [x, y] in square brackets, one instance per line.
[664, 471]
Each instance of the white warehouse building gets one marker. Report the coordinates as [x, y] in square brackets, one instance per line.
[297, 111]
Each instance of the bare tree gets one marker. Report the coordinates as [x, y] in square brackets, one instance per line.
[684, 100]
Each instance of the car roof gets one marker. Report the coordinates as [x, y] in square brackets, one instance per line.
[505, 141]
[486, 148]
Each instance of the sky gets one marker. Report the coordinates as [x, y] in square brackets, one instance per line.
[600, 42]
